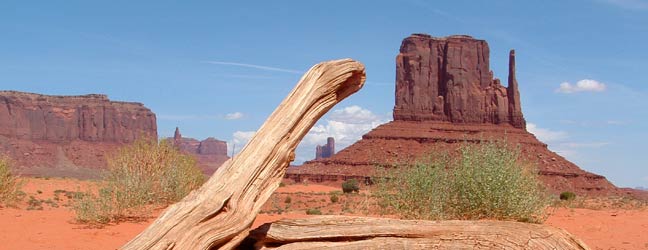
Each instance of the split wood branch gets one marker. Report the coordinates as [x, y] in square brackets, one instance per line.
[346, 232]
[219, 214]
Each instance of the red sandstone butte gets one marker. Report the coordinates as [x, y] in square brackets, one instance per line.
[68, 135]
[210, 153]
[449, 79]
[325, 151]
[446, 95]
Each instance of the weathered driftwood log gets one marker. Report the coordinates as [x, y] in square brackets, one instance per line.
[219, 214]
[344, 232]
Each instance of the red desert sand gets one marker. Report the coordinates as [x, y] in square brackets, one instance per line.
[55, 228]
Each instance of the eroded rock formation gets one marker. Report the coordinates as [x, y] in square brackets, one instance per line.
[449, 79]
[445, 95]
[325, 151]
[68, 135]
[210, 153]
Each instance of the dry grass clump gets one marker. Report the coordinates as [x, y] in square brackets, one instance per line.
[485, 181]
[313, 211]
[567, 196]
[10, 186]
[141, 175]
[350, 186]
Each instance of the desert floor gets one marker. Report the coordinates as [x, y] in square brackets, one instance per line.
[53, 227]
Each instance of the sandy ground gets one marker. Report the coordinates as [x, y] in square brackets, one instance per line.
[605, 229]
[54, 227]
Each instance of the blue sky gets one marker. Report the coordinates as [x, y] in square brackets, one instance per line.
[219, 69]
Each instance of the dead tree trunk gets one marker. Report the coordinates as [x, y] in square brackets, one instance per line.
[345, 232]
[218, 215]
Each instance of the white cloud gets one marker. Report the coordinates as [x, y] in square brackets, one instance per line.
[586, 85]
[346, 125]
[556, 140]
[353, 114]
[234, 116]
[571, 150]
[546, 135]
[239, 140]
[255, 66]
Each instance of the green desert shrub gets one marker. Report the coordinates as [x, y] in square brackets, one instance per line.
[487, 180]
[334, 198]
[313, 211]
[34, 204]
[350, 186]
[140, 175]
[567, 196]
[10, 186]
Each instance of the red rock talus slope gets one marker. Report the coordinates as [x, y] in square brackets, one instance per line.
[210, 153]
[68, 135]
[445, 95]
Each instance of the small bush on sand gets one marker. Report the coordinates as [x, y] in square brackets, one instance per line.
[313, 211]
[34, 204]
[146, 173]
[487, 180]
[567, 196]
[334, 198]
[10, 186]
[350, 186]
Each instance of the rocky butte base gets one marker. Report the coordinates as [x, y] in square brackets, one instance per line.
[68, 135]
[446, 95]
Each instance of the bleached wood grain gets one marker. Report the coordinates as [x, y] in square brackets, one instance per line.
[219, 214]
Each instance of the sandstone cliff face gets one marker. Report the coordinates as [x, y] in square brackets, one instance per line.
[68, 135]
[210, 153]
[449, 79]
[445, 96]
[91, 118]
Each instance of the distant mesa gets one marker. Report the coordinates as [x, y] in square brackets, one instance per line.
[210, 153]
[445, 95]
[70, 136]
[325, 151]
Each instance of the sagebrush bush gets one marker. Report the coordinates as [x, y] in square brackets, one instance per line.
[487, 180]
[313, 211]
[139, 175]
[10, 186]
[567, 196]
[350, 186]
[334, 198]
